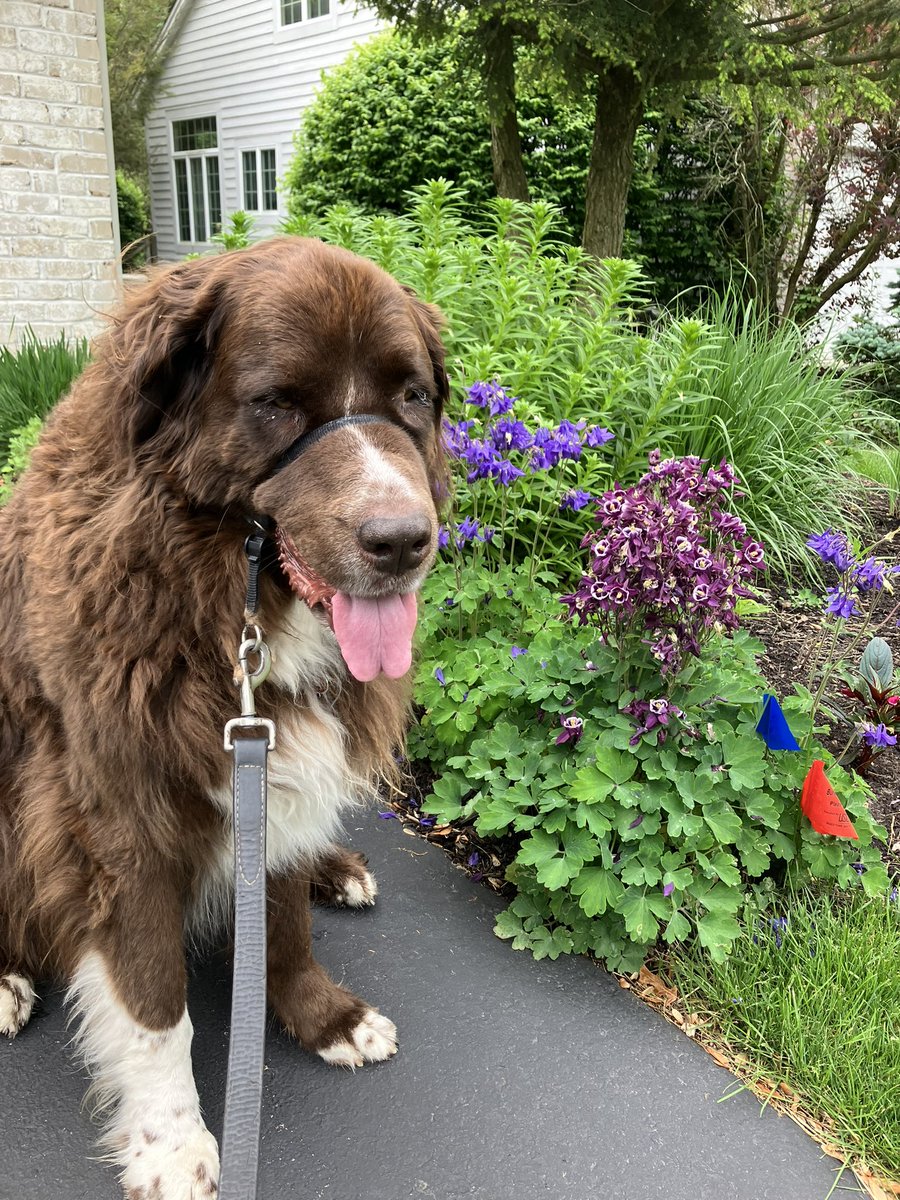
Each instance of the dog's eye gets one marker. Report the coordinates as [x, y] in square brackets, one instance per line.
[275, 398]
[418, 396]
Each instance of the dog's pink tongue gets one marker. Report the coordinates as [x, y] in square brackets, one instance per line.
[375, 635]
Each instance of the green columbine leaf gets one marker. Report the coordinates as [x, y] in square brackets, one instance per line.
[723, 821]
[615, 764]
[597, 890]
[677, 929]
[588, 817]
[637, 908]
[744, 757]
[591, 785]
[717, 933]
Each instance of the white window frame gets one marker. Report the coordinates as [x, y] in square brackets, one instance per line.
[185, 156]
[257, 150]
[307, 25]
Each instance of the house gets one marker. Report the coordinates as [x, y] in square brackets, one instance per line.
[59, 237]
[237, 76]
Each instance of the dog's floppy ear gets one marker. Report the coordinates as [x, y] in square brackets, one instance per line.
[160, 349]
[430, 321]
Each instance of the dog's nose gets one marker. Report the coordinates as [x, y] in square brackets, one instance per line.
[395, 544]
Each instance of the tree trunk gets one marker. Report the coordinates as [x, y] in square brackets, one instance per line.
[506, 146]
[620, 107]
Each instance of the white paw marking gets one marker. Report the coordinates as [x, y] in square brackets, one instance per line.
[357, 893]
[16, 1002]
[373, 1040]
[181, 1163]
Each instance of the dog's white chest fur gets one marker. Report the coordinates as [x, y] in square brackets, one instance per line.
[309, 779]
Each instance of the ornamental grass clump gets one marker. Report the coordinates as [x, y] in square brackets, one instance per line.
[667, 566]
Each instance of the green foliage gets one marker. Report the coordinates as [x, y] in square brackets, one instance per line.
[236, 233]
[32, 379]
[21, 443]
[134, 66]
[394, 115]
[389, 117]
[134, 217]
[812, 997]
[876, 349]
[619, 845]
[561, 331]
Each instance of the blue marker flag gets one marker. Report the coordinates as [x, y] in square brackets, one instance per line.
[773, 727]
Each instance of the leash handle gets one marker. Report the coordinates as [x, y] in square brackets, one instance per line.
[246, 1049]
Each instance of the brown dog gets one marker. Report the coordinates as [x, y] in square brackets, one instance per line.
[122, 593]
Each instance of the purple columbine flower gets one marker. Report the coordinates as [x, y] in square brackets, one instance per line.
[439, 676]
[841, 605]
[832, 548]
[668, 889]
[575, 500]
[516, 651]
[878, 736]
[473, 859]
[443, 537]
[596, 436]
[868, 576]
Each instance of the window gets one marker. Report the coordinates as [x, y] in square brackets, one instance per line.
[294, 11]
[198, 194]
[258, 173]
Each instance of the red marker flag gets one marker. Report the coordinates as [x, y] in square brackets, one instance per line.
[819, 802]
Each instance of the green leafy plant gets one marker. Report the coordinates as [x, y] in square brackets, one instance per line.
[637, 798]
[33, 376]
[21, 444]
[236, 233]
[134, 219]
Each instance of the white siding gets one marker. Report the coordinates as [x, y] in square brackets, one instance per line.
[233, 60]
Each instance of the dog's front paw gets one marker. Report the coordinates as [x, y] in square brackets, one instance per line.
[373, 1040]
[340, 877]
[161, 1166]
[16, 1002]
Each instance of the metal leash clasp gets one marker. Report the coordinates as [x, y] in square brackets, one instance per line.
[248, 678]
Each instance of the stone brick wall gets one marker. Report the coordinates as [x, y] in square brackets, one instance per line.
[58, 223]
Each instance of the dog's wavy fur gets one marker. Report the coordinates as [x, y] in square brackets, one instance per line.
[121, 594]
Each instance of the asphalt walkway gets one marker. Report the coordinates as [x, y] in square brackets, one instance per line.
[515, 1080]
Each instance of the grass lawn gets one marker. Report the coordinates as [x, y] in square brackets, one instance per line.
[812, 998]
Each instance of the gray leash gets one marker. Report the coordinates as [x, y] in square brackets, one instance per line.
[249, 738]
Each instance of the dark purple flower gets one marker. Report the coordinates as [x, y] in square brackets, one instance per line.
[573, 728]
[439, 676]
[443, 537]
[388, 816]
[473, 859]
[517, 651]
[638, 820]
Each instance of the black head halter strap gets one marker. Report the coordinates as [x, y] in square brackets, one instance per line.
[264, 526]
[306, 440]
